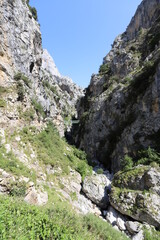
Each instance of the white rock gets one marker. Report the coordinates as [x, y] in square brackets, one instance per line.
[36, 197]
[133, 227]
[138, 236]
[8, 148]
[121, 224]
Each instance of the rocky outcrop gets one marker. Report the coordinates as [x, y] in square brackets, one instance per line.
[59, 94]
[35, 196]
[30, 81]
[96, 188]
[119, 114]
[134, 193]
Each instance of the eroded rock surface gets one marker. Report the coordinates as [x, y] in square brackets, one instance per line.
[96, 188]
[134, 195]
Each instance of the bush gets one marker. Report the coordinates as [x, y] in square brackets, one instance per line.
[38, 108]
[19, 76]
[126, 163]
[148, 156]
[104, 68]
[79, 154]
[21, 92]
[2, 103]
[21, 221]
[18, 190]
[33, 11]
[100, 171]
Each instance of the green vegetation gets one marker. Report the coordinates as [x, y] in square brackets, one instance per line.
[27, 115]
[21, 221]
[148, 156]
[18, 189]
[38, 108]
[2, 90]
[126, 163]
[151, 235]
[100, 171]
[53, 150]
[20, 76]
[52, 88]
[33, 11]
[104, 69]
[2, 103]
[145, 157]
[123, 178]
[20, 91]
[11, 164]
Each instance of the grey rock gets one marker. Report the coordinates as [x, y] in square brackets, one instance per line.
[120, 114]
[143, 203]
[121, 224]
[133, 227]
[36, 197]
[95, 188]
[138, 236]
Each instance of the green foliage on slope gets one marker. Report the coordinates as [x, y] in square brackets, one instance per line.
[21, 221]
[145, 157]
[53, 150]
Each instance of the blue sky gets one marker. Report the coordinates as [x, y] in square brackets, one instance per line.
[79, 33]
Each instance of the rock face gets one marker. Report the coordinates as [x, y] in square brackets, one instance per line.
[120, 112]
[29, 77]
[96, 188]
[135, 193]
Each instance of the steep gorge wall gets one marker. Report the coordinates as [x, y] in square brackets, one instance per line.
[120, 114]
[21, 53]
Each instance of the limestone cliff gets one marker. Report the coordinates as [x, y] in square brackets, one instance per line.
[29, 79]
[120, 114]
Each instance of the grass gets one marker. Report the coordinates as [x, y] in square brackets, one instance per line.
[27, 115]
[38, 108]
[20, 76]
[11, 164]
[53, 150]
[2, 103]
[20, 221]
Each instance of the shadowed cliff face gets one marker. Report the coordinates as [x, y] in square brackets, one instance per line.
[120, 113]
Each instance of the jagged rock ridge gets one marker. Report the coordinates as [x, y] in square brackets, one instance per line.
[119, 114]
[21, 52]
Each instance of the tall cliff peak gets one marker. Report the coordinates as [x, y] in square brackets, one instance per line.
[30, 71]
[119, 114]
[48, 64]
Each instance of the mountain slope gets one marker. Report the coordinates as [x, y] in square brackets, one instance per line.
[119, 114]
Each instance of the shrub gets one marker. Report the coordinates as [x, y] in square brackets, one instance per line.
[20, 92]
[79, 154]
[148, 156]
[126, 163]
[2, 90]
[100, 171]
[33, 11]
[18, 189]
[19, 76]
[19, 220]
[104, 68]
[38, 108]
[2, 103]
[28, 115]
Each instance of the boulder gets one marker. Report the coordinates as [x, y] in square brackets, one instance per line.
[142, 203]
[138, 236]
[96, 188]
[133, 227]
[36, 197]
